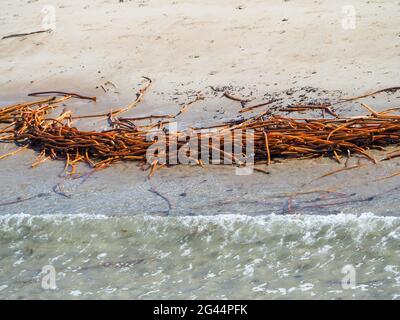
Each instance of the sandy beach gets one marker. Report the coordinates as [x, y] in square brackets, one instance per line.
[294, 50]
[103, 48]
[186, 46]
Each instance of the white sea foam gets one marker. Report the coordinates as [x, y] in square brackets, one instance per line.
[224, 220]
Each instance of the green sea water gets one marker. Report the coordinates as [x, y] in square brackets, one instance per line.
[200, 257]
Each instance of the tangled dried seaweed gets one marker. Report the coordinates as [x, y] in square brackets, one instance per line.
[30, 125]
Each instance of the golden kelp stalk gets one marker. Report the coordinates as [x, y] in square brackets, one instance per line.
[30, 125]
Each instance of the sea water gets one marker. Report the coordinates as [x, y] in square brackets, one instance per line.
[341, 256]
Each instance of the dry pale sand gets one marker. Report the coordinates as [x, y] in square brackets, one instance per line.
[199, 43]
[255, 48]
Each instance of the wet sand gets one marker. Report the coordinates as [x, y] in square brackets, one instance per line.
[285, 187]
[255, 49]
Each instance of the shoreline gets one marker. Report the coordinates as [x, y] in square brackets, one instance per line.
[186, 190]
[255, 49]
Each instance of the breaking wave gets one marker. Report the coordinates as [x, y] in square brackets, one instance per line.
[222, 256]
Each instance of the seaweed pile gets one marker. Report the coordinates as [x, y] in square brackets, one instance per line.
[32, 125]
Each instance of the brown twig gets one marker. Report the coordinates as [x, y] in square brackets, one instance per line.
[234, 98]
[370, 94]
[60, 93]
[19, 200]
[340, 170]
[153, 190]
[16, 35]
[257, 106]
[185, 107]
